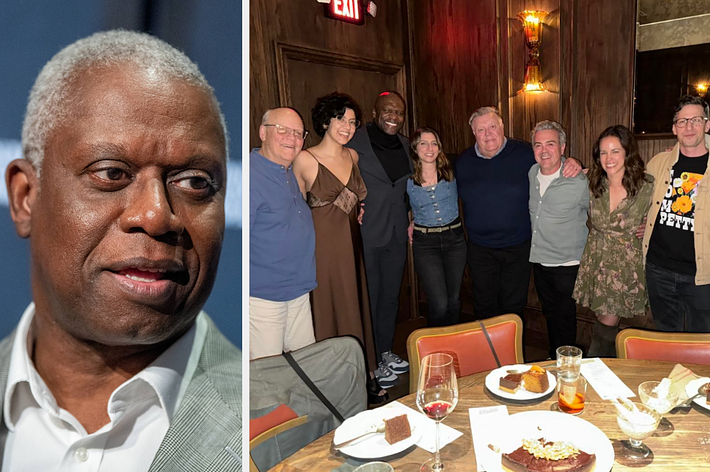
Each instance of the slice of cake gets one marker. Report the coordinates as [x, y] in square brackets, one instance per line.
[539, 455]
[397, 429]
[511, 382]
[535, 380]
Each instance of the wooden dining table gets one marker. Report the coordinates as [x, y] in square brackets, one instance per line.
[684, 445]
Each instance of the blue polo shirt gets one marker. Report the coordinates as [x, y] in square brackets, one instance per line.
[282, 241]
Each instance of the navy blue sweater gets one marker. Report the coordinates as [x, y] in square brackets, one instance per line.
[495, 194]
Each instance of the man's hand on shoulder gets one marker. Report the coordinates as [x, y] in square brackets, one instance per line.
[572, 167]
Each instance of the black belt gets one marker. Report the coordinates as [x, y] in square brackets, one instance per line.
[438, 229]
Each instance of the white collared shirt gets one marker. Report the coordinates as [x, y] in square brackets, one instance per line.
[44, 437]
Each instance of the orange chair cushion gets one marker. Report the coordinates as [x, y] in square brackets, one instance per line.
[671, 351]
[280, 415]
[470, 349]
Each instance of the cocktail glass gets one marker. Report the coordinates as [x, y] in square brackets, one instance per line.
[637, 424]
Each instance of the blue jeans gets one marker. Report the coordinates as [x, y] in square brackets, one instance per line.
[677, 304]
[439, 260]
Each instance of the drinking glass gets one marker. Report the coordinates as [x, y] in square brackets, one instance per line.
[661, 401]
[648, 392]
[569, 360]
[571, 394]
[637, 425]
[437, 395]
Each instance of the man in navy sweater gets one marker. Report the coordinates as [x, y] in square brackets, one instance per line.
[492, 179]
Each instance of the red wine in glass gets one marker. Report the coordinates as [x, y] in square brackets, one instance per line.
[438, 410]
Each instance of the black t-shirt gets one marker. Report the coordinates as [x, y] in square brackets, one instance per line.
[672, 244]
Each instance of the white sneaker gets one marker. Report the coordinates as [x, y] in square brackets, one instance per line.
[385, 377]
[394, 362]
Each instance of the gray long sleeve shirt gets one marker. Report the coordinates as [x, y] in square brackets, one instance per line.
[558, 218]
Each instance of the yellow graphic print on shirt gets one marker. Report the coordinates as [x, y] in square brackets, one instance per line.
[678, 207]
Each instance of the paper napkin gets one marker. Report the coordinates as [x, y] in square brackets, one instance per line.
[680, 377]
[482, 421]
[605, 382]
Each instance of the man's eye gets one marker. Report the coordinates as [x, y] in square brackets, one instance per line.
[113, 174]
[193, 183]
[196, 183]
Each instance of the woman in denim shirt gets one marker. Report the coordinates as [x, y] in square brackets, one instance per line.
[436, 232]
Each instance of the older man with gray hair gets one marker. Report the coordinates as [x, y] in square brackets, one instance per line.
[558, 216]
[121, 194]
[492, 178]
[282, 243]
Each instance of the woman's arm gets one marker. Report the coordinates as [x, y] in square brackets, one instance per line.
[305, 169]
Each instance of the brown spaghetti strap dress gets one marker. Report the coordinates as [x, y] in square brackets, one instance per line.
[340, 303]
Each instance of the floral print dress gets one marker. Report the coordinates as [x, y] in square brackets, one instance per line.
[611, 278]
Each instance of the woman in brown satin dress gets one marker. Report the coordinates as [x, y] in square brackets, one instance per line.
[330, 181]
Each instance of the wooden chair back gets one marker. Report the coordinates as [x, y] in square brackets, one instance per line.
[467, 344]
[635, 343]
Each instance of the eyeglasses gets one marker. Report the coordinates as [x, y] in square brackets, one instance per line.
[297, 133]
[353, 123]
[695, 121]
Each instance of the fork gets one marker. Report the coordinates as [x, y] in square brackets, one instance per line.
[372, 429]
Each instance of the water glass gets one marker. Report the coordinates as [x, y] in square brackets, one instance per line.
[569, 360]
[375, 467]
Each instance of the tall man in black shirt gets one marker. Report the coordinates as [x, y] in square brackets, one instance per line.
[677, 238]
[385, 166]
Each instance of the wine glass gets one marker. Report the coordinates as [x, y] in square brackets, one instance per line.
[437, 395]
[637, 424]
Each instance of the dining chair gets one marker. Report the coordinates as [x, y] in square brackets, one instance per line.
[266, 427]
[633, 343]
[467, 344]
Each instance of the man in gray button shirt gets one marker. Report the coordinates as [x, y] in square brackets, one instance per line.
[558, 214]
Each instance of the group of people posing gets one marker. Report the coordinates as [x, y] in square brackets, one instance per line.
[332, 221]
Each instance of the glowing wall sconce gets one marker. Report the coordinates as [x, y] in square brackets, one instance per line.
[532, 24]
[702, 88]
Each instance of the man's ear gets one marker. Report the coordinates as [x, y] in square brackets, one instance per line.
[22, 189]
[374, 113]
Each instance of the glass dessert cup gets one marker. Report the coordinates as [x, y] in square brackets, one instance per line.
[637, 425]
[662, 400]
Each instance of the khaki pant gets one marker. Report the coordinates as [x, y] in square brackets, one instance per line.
[275, 327]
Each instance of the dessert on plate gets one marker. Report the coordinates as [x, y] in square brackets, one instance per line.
[511, 382]
[540, 455]
[397, 429]
[533, 380]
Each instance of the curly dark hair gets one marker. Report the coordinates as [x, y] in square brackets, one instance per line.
[443, 166]
[634, 168]
[330, 106]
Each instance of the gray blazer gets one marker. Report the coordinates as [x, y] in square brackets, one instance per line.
[386, 202]
[206, 432]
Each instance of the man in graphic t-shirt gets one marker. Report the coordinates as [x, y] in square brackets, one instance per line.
[677, 243]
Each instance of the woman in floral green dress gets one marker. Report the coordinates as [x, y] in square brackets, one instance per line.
[611, 279]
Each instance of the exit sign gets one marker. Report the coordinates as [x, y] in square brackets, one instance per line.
[346, 10]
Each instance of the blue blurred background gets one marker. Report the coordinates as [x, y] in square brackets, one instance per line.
[208, 31]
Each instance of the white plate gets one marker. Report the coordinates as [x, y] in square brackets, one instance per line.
[373, 446]
[493, 383]
[692, 388]
[553, 426]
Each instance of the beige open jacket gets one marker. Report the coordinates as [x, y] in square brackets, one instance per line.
[660, 167]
